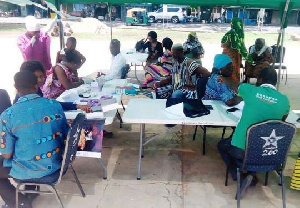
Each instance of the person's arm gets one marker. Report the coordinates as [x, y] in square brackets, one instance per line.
[68, 106]
[8, 146]
[58, 57]
[195, 68]
[50, 26]
[61, 76]
[25, 47]
[230, 83]
[163, 82]
[82, 58]
[47, 56]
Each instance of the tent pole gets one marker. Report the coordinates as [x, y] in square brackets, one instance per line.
[280, 42]
[111, 31]
[61, 30]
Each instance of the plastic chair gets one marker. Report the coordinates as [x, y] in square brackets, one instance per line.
[69, 155]
[277, 61]
[267, 145]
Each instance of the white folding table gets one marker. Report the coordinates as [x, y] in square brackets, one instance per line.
[135, 59]
[109, 116]
[152, 111]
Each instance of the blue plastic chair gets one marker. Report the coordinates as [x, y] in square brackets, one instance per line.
[69, 155]
[267, 146]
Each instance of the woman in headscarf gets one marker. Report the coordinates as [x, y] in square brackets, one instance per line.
[234, 46]
[191, 43]
[216, 89]
[162, 69]
[262, 58]
[155, 49]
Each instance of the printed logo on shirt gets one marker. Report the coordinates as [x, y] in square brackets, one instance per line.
[266, 98]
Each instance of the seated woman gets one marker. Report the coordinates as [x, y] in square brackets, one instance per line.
[155, 49]
[184, 85]
[162, 69]
[38, 70]
[216, 89]
[60, 78]
[262, 57]
[191, 43]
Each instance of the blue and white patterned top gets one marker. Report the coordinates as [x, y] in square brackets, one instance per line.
[33, 130]
[216, 90]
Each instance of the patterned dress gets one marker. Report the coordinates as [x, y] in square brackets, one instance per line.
[53, 88]
[160, 70]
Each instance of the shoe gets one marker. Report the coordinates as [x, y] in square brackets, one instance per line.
[107, 134]
[245, 185]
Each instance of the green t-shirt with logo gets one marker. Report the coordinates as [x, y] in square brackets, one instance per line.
[261, 103]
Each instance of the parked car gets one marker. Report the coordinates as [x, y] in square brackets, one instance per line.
[174, 14]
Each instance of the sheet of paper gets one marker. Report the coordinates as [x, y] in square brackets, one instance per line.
[175, 110]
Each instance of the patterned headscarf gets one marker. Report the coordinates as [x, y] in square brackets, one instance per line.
[236, 38]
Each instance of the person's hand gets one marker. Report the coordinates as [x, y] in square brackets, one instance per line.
[33, 40]
[156, 85]
[84, 108]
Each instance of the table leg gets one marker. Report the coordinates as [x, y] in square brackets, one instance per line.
[104, 168]
[142, 127]
[136, 74]
[143, 139]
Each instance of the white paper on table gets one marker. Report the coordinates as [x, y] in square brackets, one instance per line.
[69, 96]
[175, 110]
[109, 104]
[94, 115]
[71, 115]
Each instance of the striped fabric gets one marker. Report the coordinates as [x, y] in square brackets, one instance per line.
[182, 76]
[295, 182]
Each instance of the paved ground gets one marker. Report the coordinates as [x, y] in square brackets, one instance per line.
[174, 172]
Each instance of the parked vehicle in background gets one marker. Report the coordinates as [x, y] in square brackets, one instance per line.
[137, 17]
[173, 14]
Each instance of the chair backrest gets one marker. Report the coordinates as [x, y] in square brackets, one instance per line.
[267, 145]
[125, 70]
[277, 58]
[71, 144]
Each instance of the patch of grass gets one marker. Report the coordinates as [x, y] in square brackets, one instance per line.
[12, 28]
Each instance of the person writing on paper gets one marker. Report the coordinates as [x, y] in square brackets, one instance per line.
[262, 102]
[118, 62]
[35, 43]
[262, 58]
[215, 88]
[60, 78]
[184, 74]
[27, 145]
[37, 69]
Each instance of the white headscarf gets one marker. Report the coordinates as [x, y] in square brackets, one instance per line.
[32, 24]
